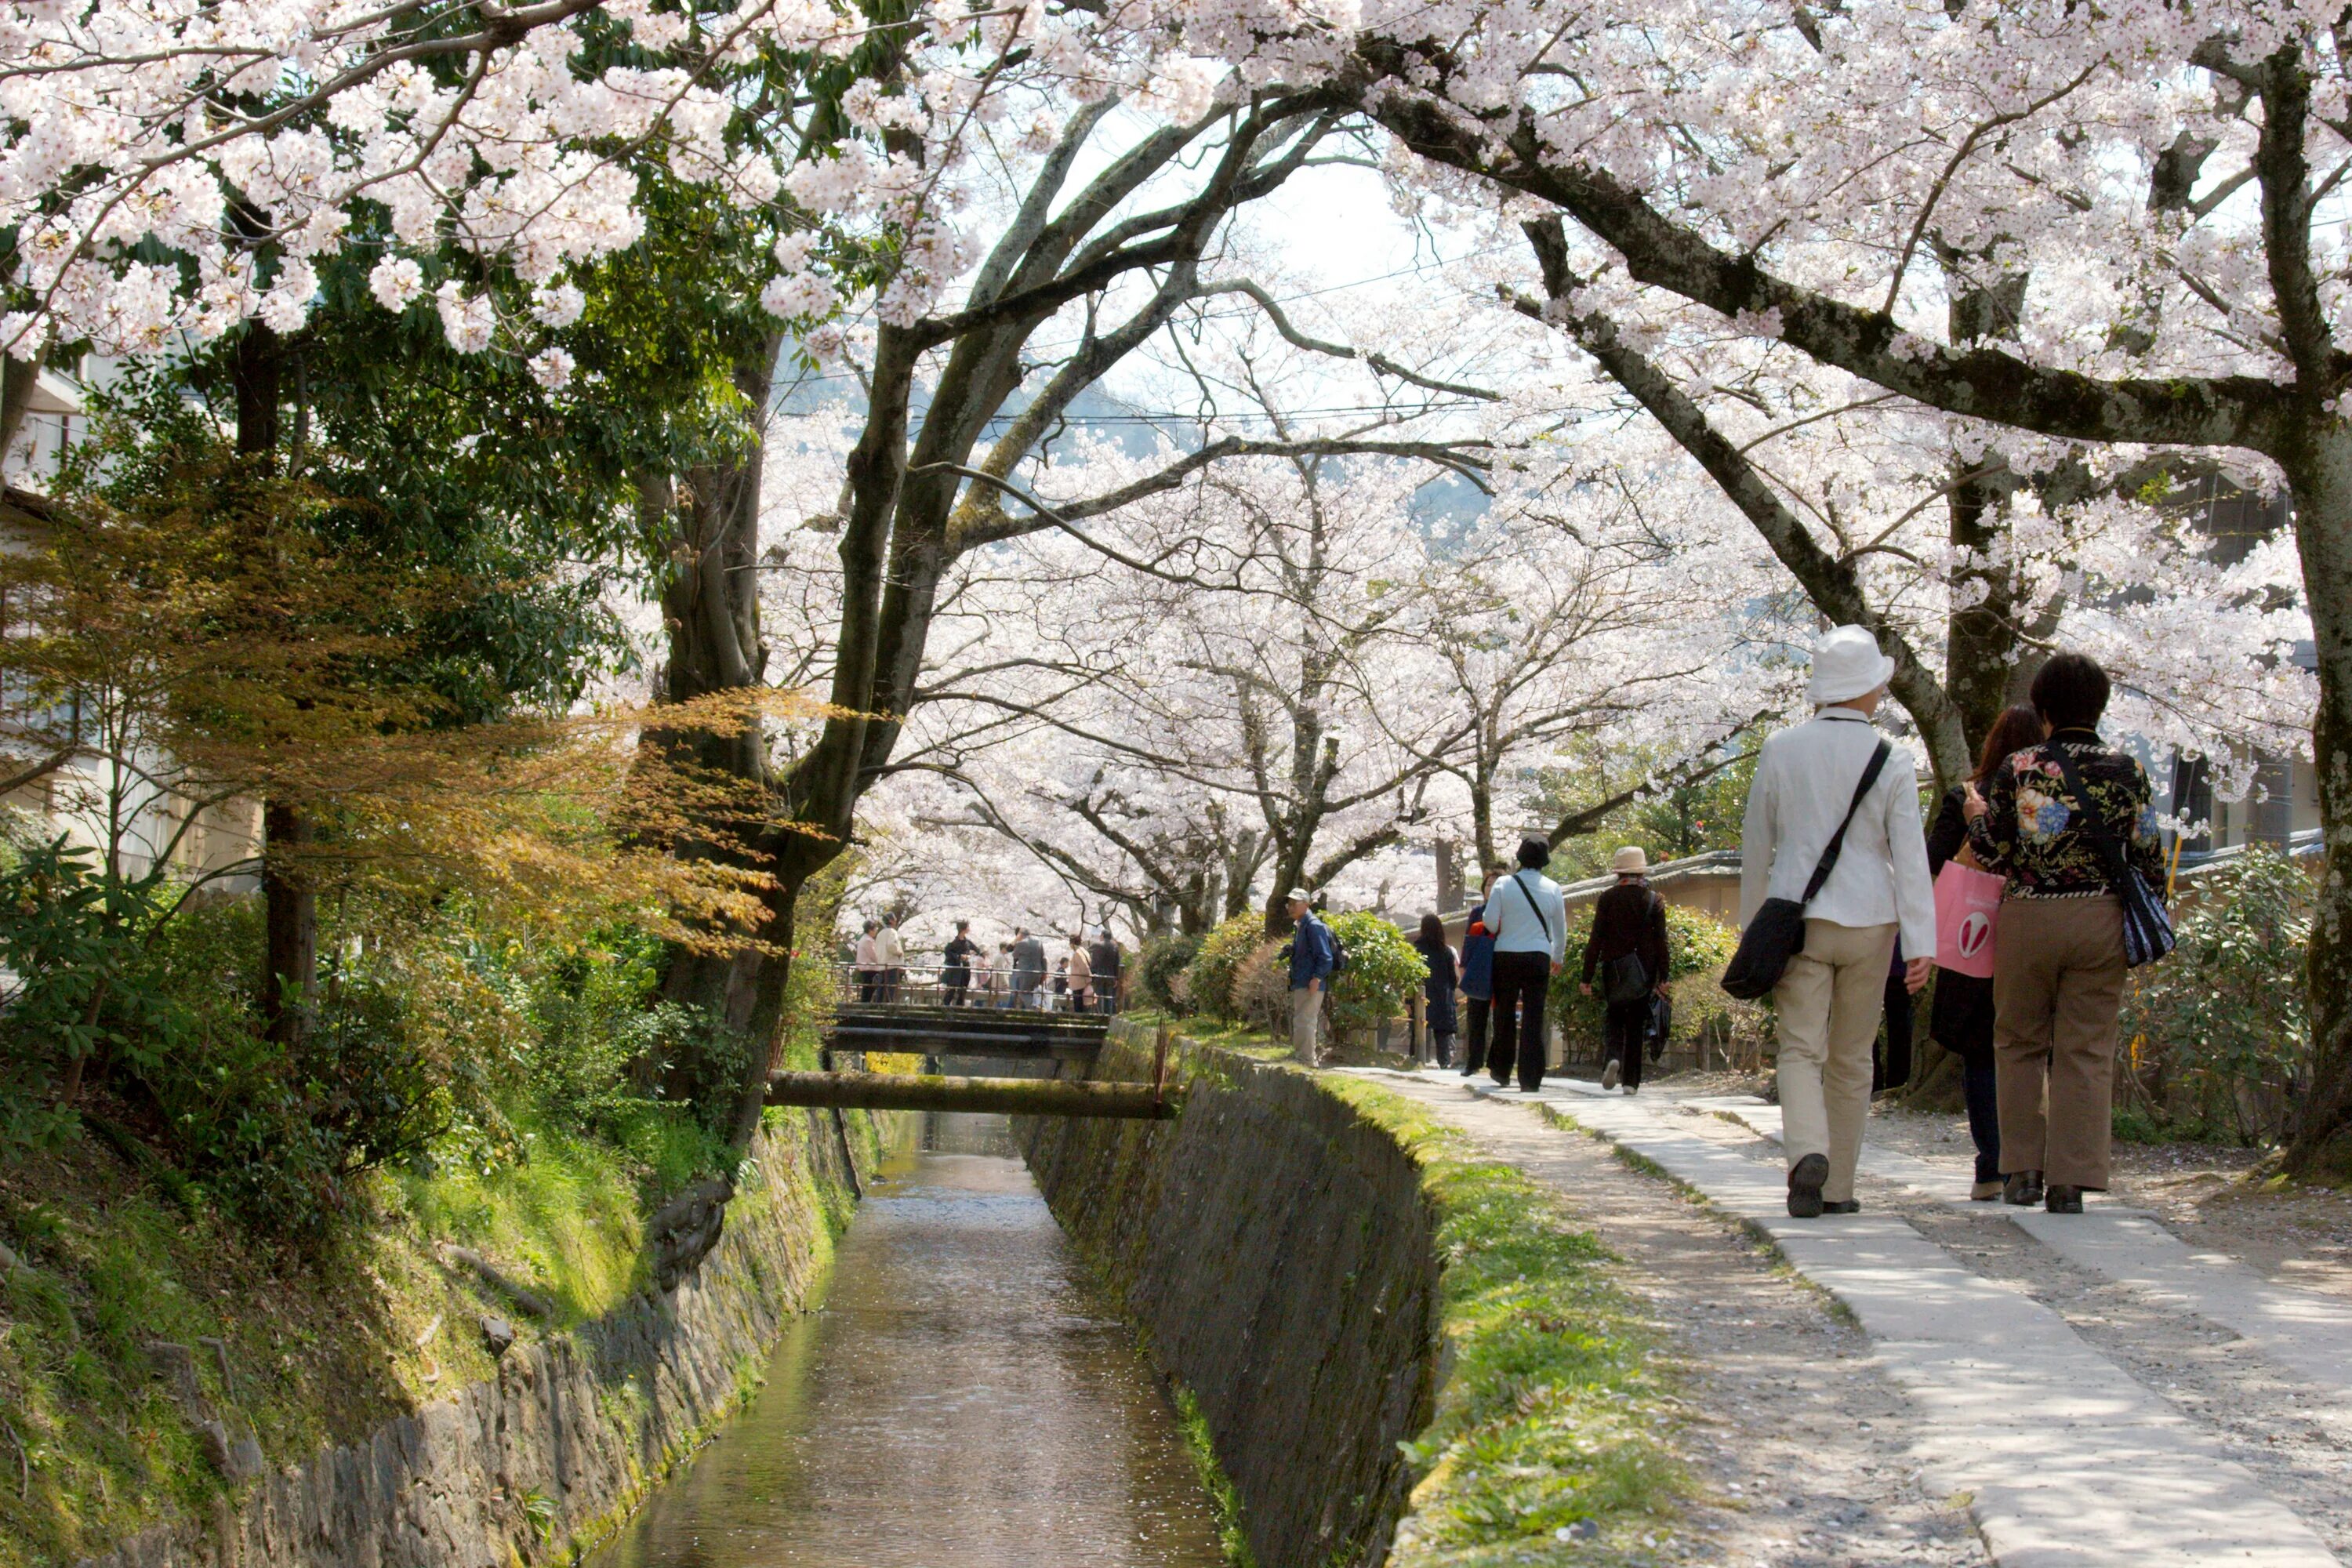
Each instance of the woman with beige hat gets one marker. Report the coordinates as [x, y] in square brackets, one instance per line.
[1628, 947]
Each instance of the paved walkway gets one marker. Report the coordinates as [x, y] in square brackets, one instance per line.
[2067, 1459]
[2302, 1330]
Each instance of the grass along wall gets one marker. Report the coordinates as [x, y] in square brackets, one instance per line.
[1399, 1352]
[176, 1405]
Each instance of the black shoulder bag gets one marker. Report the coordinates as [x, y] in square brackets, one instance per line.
[2147, 929]
[1777, 934]
[1625, 979]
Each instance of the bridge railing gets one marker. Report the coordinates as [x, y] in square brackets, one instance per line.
[928, 985]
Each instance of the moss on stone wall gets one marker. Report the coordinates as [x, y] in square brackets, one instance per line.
[377, 1424]
[1401, 1352]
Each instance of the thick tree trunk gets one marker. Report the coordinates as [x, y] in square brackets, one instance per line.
[289, 926]
[18, 377]
[2321, 477]
[289, 917]
[711, 609]
[1449, 876]
[1289, 871]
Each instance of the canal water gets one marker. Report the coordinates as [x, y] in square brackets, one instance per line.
[966, 1399]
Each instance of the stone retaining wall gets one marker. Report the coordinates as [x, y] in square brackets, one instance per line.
[542, 1461]
[1277, 1253]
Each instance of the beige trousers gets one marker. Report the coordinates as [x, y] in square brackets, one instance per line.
[1306, 1018]
[1829, 1004]
[2057, 982]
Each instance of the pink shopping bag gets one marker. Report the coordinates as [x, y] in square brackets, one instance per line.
[1967, 902]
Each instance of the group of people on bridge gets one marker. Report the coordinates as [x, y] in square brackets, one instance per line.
[1083, 977]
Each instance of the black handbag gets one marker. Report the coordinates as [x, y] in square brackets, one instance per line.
[2148, 928]
[1777, 934]
[1624, 979]
[1662, 1024]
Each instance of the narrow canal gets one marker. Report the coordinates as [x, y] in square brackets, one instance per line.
[965, 1400]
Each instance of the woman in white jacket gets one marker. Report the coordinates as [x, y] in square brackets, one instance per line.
[1530, 922]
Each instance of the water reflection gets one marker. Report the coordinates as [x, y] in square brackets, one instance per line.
[964, 1401]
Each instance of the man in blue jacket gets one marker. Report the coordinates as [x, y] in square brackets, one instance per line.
[1311, 953]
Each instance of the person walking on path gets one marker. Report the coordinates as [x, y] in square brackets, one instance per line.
[890, 951]
[1891, 1068]
[867, 972]
[955, 974]
[1628, 948]
[1437, 989]
[1103, 957]
[1477, 988]
[1529, 919]
[1028, 969]
[1960, 1018]
[1809, 794]
[1313, 956]
[2058, 955]
[1080, 970]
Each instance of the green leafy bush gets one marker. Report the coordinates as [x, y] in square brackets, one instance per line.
[1384, 971]
[134, 1012]
[1160, 968]
[2215, 1041]
[1208, 985]
[82, 984]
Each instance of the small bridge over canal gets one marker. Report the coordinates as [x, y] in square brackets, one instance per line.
[939, 1034]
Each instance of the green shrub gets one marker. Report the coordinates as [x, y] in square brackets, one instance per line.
[1208, 982]
[134, 1012]
[2217, 1043]
[1384, 971]
[1160, 966]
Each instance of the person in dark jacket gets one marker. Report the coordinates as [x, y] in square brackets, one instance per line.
[2058, 953]
[1104, 956]
[1028, 969]
[955, 974]
[1628, 922]
[1437, 990]
[1477, 987]
[1890, 1066]
[1960, 1017]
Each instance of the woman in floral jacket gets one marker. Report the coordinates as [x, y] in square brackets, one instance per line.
[2058, 961]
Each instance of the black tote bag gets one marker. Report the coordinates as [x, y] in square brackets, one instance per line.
[2148, 928]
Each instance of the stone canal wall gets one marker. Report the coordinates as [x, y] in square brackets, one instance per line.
[541, 1462]
[1277, 1252]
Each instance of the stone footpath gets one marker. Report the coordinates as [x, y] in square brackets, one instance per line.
[2067, 1459]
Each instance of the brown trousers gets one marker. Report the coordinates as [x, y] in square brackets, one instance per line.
[2057, 985]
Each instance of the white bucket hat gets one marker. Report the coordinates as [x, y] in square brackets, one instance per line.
[1630, 859]
[1846, 665]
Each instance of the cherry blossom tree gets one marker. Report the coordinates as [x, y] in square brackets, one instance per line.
[2163, 183]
